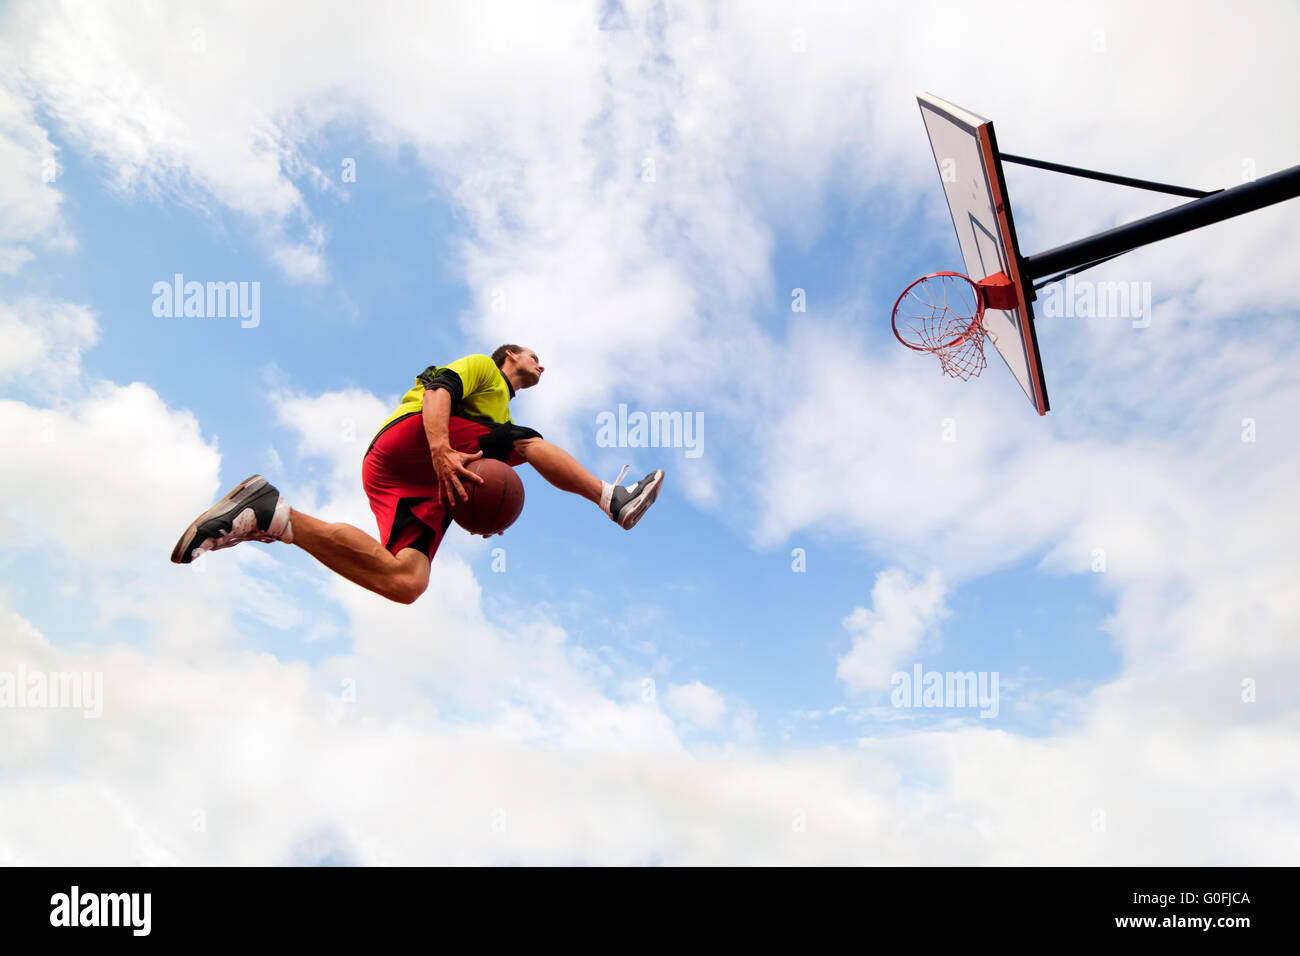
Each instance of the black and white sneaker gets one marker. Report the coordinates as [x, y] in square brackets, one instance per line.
[627, 505]
[252, 511]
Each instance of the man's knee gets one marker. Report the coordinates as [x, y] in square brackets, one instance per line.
[506, 439]
[523, 445]
[406, 586]
[408, 592]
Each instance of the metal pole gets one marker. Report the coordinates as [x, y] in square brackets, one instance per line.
[1108, 177]
[1235, 201]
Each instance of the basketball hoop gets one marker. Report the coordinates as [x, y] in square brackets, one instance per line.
[943, 313]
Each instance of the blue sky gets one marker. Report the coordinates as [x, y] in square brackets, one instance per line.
[488, 174]
[735, 616]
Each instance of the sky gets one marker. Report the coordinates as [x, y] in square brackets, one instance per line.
[705, 209]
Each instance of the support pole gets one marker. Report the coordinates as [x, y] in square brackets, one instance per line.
[1108, 177]
[1216, 207]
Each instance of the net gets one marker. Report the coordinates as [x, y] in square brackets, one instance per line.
[943, 314]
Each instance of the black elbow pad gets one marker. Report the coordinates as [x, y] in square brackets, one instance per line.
[432, 378]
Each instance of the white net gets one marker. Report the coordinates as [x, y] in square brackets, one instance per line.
[941, 314]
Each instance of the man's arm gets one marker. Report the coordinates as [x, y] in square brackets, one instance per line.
[436, 414]
[448, 463]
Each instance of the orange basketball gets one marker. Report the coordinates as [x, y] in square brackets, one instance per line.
[494, 505]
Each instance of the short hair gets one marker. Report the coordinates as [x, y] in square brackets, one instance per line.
[499, 356]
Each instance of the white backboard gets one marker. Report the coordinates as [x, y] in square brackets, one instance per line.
[966, 153]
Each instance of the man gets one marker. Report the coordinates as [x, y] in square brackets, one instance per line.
[412, 471]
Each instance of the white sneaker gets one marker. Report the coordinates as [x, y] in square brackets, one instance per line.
[252, 511]
[627, 505]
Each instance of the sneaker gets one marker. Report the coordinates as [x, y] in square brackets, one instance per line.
[627, 505]
[253, 511]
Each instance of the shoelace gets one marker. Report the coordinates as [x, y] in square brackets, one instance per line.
[243, 527]
[617, 480]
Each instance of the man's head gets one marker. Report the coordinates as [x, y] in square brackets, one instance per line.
[519, 365]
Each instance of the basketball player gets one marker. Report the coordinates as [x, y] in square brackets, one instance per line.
[413, 469]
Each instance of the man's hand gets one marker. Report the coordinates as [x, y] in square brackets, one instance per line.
[449, 465]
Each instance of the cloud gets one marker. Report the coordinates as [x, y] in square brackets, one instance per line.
[142, 95]
[332, 430]
[44, 341]
[889, 634]
[30, 200]
[105, 480]
[240, 758]
[697, 703]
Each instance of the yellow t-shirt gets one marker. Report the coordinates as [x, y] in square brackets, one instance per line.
[479, 391]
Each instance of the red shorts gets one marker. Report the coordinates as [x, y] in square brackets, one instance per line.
[402, 486]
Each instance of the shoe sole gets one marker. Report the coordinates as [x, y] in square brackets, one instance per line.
[642, 502]
[243, 491]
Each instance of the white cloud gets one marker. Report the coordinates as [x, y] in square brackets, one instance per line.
[30, 200]
[44, 341]
[111, 479]
[697, 703]
[889, 634]
[162, 100]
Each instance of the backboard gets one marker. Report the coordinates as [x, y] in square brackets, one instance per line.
[966, 153]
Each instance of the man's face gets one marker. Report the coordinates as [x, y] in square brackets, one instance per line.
[529, 368]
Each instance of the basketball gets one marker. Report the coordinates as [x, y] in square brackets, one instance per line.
[494, 505]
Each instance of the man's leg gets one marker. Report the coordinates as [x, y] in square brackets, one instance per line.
[349, 551]
[623, 505]
[254, 510]
[560, 468]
